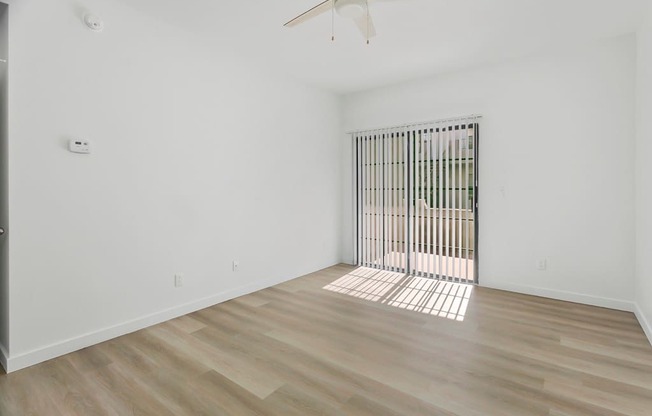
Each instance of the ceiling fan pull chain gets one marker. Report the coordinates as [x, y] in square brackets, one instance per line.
[333, 22]
[367, 22]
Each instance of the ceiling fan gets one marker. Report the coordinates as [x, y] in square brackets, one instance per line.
[356, 10]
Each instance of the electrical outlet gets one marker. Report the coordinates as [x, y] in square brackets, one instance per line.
[236, 265]
[178, 280]
[542, 264]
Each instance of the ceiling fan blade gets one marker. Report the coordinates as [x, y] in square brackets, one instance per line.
[321, 8]
[362, 23]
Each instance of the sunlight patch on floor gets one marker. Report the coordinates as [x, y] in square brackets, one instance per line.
[434, 297]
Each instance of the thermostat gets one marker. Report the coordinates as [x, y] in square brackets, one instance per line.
[79, 146]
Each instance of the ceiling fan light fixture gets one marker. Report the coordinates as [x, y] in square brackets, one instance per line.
[356, 11]
[352, 9]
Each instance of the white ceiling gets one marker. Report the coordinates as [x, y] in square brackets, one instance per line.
[415, 37]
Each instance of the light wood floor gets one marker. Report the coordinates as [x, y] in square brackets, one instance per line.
[300, 349]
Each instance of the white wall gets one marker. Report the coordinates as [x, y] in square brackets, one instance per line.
[558, 135]
[198, 158]
[4, 276]
[644, 177]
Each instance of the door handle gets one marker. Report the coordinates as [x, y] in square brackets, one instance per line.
[2, 231]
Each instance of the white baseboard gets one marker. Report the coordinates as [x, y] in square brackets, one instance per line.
[18, 362]
[645, 323]
[618, 304]
[3, 357]
[30, 358]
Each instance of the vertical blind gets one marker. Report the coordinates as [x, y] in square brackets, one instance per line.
[416, 199]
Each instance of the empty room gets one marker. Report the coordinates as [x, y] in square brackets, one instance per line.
[340, 207]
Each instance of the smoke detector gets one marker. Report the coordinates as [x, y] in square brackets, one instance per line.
[94, 22]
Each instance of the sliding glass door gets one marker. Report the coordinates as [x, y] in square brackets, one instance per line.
[416, 199]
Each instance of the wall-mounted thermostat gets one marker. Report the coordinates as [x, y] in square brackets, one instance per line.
[80, 146]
